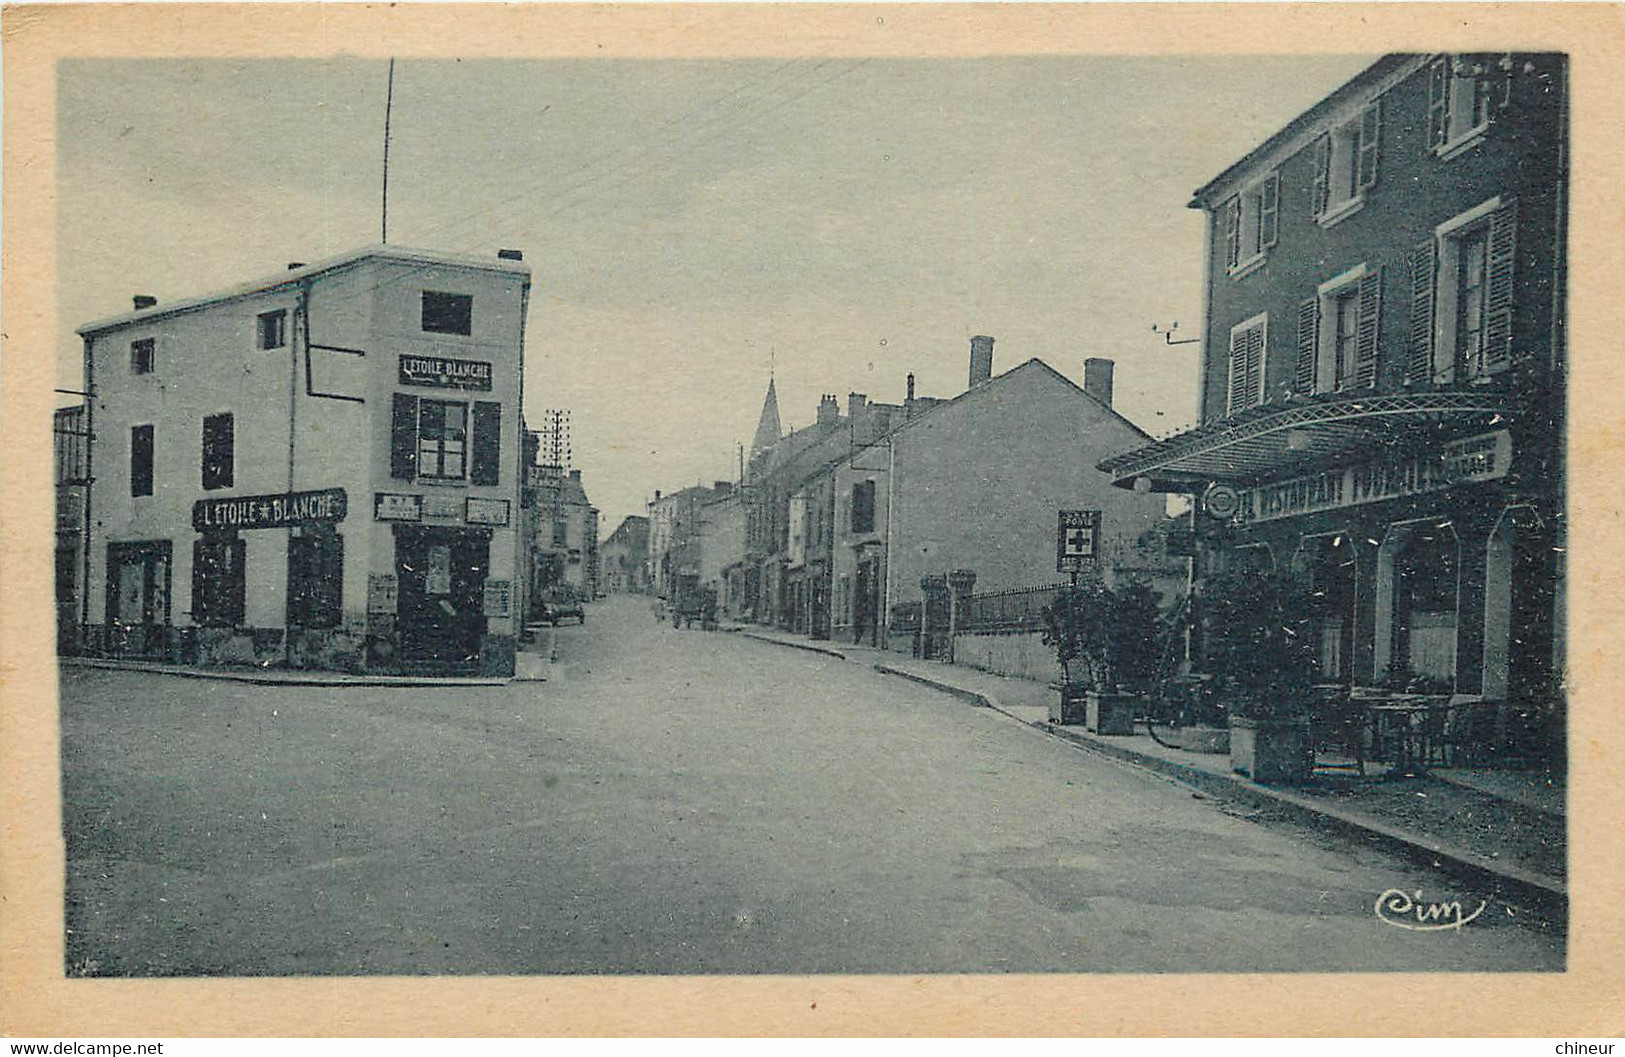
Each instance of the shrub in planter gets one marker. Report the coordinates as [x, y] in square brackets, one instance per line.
[1259, 647]
[1099, 636]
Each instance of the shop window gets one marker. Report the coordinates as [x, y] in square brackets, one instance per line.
[315, 579]
[1250, 222]
[143, 356]
[1245, 385]
[1346, 165]
[140, 460]
[442, 439]
[218, 581]
[273, 329]
[218, 450]
[1425, 606]
[863, 507]
[448, 313]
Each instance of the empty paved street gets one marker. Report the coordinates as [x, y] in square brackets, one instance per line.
[682, 802]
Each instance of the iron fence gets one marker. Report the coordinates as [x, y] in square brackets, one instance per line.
[1016, 609]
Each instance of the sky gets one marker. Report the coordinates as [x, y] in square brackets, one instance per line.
[694, 225]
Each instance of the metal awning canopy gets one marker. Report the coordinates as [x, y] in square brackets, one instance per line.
[1275, 439]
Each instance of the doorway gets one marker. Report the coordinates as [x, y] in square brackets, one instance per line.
[441, 573]
[138, 581]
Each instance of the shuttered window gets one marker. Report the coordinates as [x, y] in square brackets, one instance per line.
[219, 449]
[141, 446]
[1246, 376]
[403, 438]
[315, 579]
[1346, 164]
[1462, 292]
[1252, 223]
[1464, 91]
[863, 507]
[1338, 331]
[218, 580]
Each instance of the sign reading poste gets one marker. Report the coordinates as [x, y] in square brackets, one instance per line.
[269, 511]
[445, 373]
[1077, 538]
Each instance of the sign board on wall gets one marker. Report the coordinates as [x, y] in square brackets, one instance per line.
[1077, 539]
[480, 511]
[445, 373]
[442, 508]
[269, 511]
[392, 506]
[383, 594]
[1485, 457]
[498, 598]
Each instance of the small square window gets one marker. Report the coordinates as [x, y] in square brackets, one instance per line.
[448, 313]
[143, 356]
[273, 329]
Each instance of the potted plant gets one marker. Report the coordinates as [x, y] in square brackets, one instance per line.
[1258, 647]
[1092, 635]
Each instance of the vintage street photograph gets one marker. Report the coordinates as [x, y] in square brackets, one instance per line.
[813, 514]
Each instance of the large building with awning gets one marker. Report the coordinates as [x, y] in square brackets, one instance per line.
[320, 469]
[1382, 391]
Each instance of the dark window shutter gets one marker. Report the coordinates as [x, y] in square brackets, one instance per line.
[202, 610]
[1419, 357]
[1237, 384]
[1438, 102]
[237, 582]
[1323, 173]
[1269, 209]
[1365, 354]
[403, 438]
[1303, 379]
[1499, 295]
[486, 467]
[1370, 144]
[141, 457]
[327, 602]
[1255, 366]
[1232, 232]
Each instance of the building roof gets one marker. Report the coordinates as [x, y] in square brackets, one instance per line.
[295, 276]
[1304, 123]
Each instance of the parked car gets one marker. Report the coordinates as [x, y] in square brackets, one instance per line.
[557, 609]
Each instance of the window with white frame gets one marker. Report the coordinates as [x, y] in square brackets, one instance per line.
[1463, 296]
[1251, 219]
[442, 439]
[272, 329]
[1346, 164]
[1245, 384]
[1463, 92]
[1337, 334]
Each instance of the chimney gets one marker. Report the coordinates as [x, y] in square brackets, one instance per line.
[294, 266]
[981, 360]
[143, 301]
[911, 385]
[1097, 379]
[657, 495]
[511, 255]
[829, 411]
[856, 403]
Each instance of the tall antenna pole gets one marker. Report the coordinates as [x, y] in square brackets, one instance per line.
[389, 103]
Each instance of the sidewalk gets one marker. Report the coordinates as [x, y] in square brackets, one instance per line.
[279, 676]
[1502, 827]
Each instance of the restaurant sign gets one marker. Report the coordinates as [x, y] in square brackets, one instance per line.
[445, 373]
[1485, 457]
[269, 511]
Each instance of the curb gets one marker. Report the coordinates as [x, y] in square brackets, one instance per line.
[268, 680]
[1528, 884]
[794, 645]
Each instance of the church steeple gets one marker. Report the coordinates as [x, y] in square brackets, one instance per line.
[767, 427]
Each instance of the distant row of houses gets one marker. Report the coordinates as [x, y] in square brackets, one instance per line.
[1382, 398]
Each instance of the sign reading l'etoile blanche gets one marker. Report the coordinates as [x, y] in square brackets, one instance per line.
[445, 373]
[1485, 457]
[269, 511]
